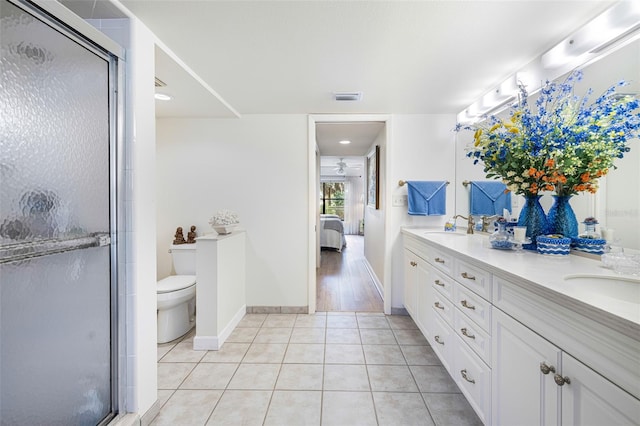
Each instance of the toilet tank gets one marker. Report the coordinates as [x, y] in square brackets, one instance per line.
[184, 258]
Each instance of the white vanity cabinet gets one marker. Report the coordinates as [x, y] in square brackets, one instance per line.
[436, 301]
[417, 290]
[590, 399]
[523, 391]
[520, 352]
[411, 261]
[534, 383]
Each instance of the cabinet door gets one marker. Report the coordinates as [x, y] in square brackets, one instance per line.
[424, 317]
[590, 399]
[410, 276]
[522, 394]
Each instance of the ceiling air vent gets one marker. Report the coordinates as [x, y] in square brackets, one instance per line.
[160, 83]
[348, 96]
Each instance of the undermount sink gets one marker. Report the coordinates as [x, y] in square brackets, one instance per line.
[623, 288]
[456, 234]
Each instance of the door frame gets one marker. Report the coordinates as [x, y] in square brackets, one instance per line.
[313, 210]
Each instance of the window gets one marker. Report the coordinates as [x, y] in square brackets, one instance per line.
[332, 198]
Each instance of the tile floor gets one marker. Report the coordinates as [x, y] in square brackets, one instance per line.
[335, 368]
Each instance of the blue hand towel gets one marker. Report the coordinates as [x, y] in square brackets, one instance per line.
[426, 198]
[489, 198]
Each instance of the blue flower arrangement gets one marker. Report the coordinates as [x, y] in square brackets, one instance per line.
[565, 145]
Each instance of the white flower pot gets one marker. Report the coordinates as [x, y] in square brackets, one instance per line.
[224, 229]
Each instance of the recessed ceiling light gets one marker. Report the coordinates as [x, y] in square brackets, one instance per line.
[345, 142]
[162, 97]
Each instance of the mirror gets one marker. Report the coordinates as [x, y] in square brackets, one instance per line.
[616, 205]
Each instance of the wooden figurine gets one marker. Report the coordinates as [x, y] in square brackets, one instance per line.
[179, 236]
[191, 235]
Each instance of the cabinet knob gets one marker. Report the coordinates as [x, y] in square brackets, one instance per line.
[412, 263]
[437, 339]
[467, 305]
[437, 259]
[464, 376]
[440, 283]
[465, 333]
[438, 305]
[467, 276]
[560, 381]
[546, 369]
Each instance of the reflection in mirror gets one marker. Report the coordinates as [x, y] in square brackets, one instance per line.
[616, 204]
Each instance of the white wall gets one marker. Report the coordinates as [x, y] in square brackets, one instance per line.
[140, 207]
[255, 166]
[374, 226]
[422, 148]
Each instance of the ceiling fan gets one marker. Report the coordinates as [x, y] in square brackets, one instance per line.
[341, 166]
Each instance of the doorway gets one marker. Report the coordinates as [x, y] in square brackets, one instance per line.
[331, 161]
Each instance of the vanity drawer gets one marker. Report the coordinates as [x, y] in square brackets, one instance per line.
[474, 278]
[441, 261]
[473, 377]
[443, 307]
[419, 248]
[442, 342]
[473, 306]
[443, 283]
[474, 336]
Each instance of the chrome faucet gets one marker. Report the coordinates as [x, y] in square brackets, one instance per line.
[486, 221]
[470, 222]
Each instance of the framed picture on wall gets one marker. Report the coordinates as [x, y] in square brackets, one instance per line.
[373, 178]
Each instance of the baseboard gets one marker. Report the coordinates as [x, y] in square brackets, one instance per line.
[399, 311]
[226, 332]
[214, 343]
[206, 343]
[277, 309]
[376, 281]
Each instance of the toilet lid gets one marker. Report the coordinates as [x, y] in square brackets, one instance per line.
[175, 282]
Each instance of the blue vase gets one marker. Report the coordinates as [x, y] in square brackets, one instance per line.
[533, 217]
[562, 219]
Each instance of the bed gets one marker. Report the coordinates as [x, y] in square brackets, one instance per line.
[332, 232]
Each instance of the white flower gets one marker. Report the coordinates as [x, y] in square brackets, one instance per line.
[224, 217]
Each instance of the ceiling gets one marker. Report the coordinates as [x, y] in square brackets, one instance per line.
[230, 58]
[360, 134]
[354, 166]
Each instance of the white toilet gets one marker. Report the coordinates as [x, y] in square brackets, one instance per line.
[177, 295]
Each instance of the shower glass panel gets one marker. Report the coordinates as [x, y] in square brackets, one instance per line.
[55, 256]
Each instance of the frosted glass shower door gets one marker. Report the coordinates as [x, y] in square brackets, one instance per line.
[55, 207]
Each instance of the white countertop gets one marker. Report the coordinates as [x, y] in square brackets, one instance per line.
[545, 275]
[215, 236]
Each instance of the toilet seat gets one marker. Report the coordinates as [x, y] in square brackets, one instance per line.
[175, 283]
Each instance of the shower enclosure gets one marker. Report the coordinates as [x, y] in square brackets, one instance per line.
[57, 223]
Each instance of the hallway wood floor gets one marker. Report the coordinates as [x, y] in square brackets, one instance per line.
[343, 282]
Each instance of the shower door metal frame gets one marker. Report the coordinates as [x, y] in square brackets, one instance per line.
[77, 30]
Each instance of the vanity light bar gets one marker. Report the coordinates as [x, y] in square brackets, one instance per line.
[613, 24]
[617, 25]
[494, 100]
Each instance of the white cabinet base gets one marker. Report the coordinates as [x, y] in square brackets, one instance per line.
[214, 343]
[221, 288]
